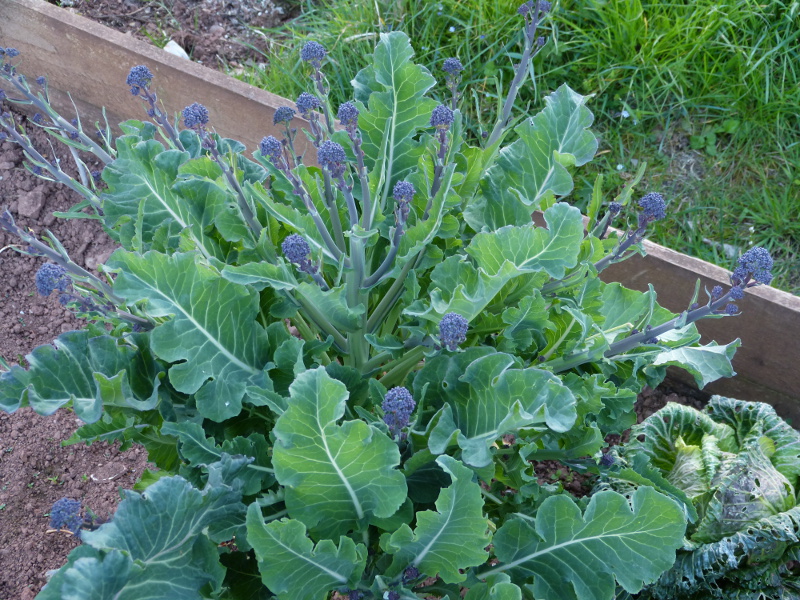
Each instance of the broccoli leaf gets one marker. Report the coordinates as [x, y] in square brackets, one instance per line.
[566, 554]
[449, 540]
[212, 333]
[292, 567]
[336, 477]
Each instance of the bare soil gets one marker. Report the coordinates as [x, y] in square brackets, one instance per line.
[216, 33]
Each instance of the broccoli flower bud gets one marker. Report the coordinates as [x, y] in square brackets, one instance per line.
[51, 277]
[66, 514]
[306, 103]
[295, 248]
[195, 116]
[313, 52]
[139, 77]
[348, 114]
[332, 157]
[453, 330]
[452, 66]
[757, 264]
[398, 404]
[270, 146]
[442, 117]
[653, 207]
[283, 114]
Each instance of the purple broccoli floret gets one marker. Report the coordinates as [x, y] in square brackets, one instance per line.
[757, 264]
[307, 102]
[195, 115]
[66, 514]
[332, 157]
[442, 117]
[453, 330]
[139, 77]
[452, 66]
[653, 207]
[313, 52]
[398, 404]
[295, 248]
[270, 146]
[51, 277]
[348, 114]
[283, 114]
[403, 191]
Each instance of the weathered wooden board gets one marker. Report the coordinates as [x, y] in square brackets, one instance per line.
[91, 62]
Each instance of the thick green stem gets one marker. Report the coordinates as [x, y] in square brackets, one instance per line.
[399, 369]
[388, 300]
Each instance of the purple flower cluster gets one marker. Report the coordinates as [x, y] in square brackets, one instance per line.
[139, 77]
[403, 191]
[754, 264]
[66, 514]
[295, 248]
[271, 147]
[348, 114]
[51, 277]
[653, 207]
[283, 114]
[453, 330]
[442, 117]
[331, 156]
[306, 103]
[195, 116]
[452, 66]
[313, 52]
[398, 404]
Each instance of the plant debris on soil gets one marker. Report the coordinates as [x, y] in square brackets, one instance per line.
[216, 33]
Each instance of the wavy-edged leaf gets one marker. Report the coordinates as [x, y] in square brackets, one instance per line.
[393, 106]
[492, 398]
[292, 567]
[86, 372]
[451, 538]
[566, 554]
[160, 542]
[530, 249]
[337, 477]
[212, 334]
[706, 363]
[496, 587]
[535, 164]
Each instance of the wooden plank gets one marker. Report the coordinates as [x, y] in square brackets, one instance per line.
[91, 62]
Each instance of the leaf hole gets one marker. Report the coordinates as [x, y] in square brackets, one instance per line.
[640, 437]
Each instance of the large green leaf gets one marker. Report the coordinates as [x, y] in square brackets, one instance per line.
[706, 363]
[515, 250]
[86, 372]
[393, 107]
[292, 567]
[564, 554]
[535, 164]
[337, 477]
[458, 285]
[491, 398]
[450, 539]
[161, 543]
[212, 333]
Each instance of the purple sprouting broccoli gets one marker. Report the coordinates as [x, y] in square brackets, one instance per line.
[392, 595]
[66, 514]
[614, 208]
[283, 114]
[271, 147]
[306, 103]
[195, 116]
[398, 404]
[411, 574]
[139, 78]
[607, 460]
[348, 114]
[452, 66]
[528, 8]
[12, 52]
[403, 193]
[313, 52]
[453, 330]
[51, 277]
[295, 248]
[442, 117]
[755, 264]
[653, 208]
[332, 157]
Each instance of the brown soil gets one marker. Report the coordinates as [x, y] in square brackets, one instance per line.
[215, 33]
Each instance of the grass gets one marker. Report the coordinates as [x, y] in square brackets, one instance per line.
[706, 92]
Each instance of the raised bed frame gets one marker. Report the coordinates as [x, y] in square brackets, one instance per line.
[90, 62]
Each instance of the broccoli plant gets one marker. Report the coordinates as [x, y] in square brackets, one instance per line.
[345, 363]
